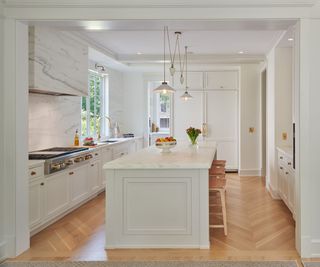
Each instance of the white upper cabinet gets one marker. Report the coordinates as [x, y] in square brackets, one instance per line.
[195, 81]
[57, 62]
[222, 80]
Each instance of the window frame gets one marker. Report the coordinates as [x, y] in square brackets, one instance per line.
[104, 108]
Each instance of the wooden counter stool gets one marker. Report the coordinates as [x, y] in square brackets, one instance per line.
[219, 185]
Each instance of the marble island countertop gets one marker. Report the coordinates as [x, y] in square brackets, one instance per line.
[182, 157]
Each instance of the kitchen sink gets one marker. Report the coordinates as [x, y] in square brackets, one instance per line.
[109, 141]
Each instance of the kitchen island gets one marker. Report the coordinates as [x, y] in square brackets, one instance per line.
[159, 200]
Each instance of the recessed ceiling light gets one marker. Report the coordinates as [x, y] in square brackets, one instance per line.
[139, 53]
[290, 39]
[241, 52]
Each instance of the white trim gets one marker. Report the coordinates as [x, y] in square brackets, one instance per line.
[250, 172]
[273, 192]
[3, 254]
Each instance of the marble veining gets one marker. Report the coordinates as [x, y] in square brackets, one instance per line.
[57, 62]
[183, 156]
[53, 120]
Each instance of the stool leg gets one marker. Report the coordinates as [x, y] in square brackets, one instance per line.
[224, 210]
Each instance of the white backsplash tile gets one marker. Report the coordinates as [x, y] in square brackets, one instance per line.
[53, 120]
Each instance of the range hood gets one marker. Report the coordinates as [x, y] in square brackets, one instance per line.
[47, 92]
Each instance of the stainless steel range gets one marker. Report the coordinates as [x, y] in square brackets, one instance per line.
[60, 158]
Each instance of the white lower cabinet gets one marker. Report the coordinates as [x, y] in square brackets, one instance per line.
[286, 180]
[53, 195]
[94, 176]
[36, 194]
[79, 184]
[56, 194]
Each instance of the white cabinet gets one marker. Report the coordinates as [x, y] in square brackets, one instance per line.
[56, 194]
[57, 62]
[36, 204]
[286, 180]
[222, 123]
[222, 80]
[139, 143]
[217, 106]
[195, 81]
[79, 184]
[106, 156]
[94, 176]
[120, 150]
[187, 113]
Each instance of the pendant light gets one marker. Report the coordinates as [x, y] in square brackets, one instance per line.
[172, 68]
[186, 96]
[164, 87]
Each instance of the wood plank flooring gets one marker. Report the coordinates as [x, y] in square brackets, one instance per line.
[259, 228]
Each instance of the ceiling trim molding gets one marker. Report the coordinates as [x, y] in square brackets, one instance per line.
[131, 60]
[108, 52]
[143, 4]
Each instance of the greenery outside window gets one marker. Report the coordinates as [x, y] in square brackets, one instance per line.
[94, 107]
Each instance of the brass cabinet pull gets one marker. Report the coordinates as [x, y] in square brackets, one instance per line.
[33, 173]
[281, 168]
[92, 165]
[289, 163]
[281, 157]
[42, 184]
[96, 154]
[287, 173]
[70, 173]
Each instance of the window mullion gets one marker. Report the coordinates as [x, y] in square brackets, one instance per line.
[88, 107]
[95, 107]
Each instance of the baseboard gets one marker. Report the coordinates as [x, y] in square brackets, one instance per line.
[273, 192]
[315, 248]
[249, 172]
[3, 254]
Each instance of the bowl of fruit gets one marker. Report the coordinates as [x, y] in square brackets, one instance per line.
[166, 144]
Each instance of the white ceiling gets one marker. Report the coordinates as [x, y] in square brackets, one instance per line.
[199, 42]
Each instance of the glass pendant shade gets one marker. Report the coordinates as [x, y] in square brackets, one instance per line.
[181, 79]
[186, 96]
[164, 88]
[172, 70]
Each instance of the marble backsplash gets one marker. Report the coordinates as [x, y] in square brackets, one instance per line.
[53, 120]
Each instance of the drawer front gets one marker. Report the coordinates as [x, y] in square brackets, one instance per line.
[96, 154]
[36, 172]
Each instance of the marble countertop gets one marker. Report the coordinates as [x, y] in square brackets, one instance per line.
[182, 157]
[35, 163]
[288, 150]
[119, 141]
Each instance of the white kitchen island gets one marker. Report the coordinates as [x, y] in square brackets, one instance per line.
[159, 200]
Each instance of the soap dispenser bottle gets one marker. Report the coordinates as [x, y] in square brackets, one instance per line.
[76, 141]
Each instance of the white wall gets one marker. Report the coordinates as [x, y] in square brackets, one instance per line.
[116, 97]
[250, 155]
[271, 174]
[53, 120]
[2, 188]
[134, 106]
[283, 95]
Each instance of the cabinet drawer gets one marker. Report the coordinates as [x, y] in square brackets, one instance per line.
[36, 172]
[96, 154]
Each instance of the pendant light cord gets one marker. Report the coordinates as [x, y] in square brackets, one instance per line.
[172, 57]
[164, 54]
[186, 62]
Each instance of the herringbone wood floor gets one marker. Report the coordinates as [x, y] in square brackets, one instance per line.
[260, 228]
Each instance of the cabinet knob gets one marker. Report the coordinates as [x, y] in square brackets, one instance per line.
[33, 173]
[71, 173]
[281, 157]
[42, 184]
[96, 154]
[281, 168]
[92, 165]
[289, 163]
[287, 173]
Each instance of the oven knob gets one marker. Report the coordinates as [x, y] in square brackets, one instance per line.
[88, 157]
[62, 165]
[78, 159]
[69, 162]
[55, 167]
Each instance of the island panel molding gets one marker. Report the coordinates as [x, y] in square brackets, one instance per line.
[157, 200]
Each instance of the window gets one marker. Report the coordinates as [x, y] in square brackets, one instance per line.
[159, 109]
[94, 106]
